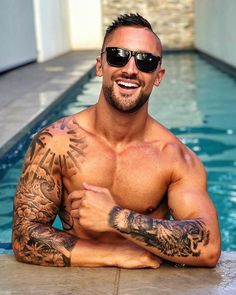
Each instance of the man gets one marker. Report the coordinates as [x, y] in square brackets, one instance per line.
[114, 175]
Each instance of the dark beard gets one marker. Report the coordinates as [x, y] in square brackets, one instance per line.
[111, 99]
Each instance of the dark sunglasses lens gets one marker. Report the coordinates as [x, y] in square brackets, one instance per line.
[117, 57]
[147, 62]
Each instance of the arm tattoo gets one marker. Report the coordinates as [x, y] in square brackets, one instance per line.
[35, 208]
[39, 196]
[170, 237]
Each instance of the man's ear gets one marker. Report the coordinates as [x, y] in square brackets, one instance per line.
[159, 77]
[99, 66]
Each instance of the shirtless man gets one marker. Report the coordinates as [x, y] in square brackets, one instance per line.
[115, 175]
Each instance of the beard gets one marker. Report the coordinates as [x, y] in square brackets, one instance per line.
[116, 103]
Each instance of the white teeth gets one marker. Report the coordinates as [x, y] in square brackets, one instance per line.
[126, 84]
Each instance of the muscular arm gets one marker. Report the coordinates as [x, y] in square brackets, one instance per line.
[177, 241]
[193, 237]
[36, 204]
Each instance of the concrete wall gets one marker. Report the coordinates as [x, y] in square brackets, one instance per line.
[17, 35]
[52, 28]
[172, 20]
[215, 29]
[85, 24]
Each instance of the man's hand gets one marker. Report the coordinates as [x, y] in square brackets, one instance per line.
[130, 255]
[92, 207]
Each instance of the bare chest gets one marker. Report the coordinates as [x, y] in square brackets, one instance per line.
[137, 177]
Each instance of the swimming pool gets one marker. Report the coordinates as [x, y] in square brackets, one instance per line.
[197, 102]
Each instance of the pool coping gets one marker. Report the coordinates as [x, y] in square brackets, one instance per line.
[19, 278]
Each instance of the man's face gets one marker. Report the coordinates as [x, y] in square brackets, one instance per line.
[127, 88]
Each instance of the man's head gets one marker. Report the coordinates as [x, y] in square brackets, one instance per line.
[129, 20]
[130, 63]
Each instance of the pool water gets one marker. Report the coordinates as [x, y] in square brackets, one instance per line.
[195, 101]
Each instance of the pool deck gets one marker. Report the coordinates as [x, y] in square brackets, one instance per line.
[26, 94]
[19, 278]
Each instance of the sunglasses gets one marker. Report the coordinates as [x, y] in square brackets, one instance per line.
[119, 57]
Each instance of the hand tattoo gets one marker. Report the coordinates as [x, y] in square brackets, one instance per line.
[172, 238]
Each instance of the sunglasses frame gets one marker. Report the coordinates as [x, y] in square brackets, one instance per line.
[131, 53]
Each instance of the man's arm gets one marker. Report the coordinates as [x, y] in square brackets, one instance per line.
[185, 242]
[193, 238]
[37, 202]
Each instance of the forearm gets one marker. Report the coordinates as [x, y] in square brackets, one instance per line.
[91, 253]
[45, 245]
[186, 241]
[42, 244]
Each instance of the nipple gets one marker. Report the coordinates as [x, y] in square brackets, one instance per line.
[150, 209]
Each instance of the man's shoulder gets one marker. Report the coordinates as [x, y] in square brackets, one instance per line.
[59, 134]
[171, 145]
[162, 135]
[62, 126]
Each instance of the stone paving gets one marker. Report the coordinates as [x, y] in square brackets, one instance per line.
[19, 278]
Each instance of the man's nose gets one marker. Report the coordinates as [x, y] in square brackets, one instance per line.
[130, 67]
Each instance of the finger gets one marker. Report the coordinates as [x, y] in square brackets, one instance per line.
[155, 265]
[94, 188]
[156, 258]
[157, 262]
[75, 213]
[76, 204]
[75, 195]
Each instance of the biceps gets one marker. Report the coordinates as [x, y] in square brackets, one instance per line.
[190, 203]
[37, 197]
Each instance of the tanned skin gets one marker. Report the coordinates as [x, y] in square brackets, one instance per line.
[114, 177]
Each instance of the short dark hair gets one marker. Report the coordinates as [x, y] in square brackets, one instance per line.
[132, 19]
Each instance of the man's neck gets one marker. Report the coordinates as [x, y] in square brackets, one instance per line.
[119, 128]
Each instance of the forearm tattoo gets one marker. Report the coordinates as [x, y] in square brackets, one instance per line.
[39, 197]
[170, 237]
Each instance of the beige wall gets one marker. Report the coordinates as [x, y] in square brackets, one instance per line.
[172, 20]
[85, 19]
[215, 29]
[52, 28]
[17, 35]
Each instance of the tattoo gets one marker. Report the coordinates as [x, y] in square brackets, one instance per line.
[71, 153]
[39, 196]
[180, 238]
[67, 220]
[41, 244]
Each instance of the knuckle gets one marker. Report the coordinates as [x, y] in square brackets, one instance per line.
[81, 212]
[83, 202]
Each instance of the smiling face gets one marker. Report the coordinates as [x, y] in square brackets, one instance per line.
[127, 88]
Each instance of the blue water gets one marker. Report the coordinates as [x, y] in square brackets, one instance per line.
[197, 102]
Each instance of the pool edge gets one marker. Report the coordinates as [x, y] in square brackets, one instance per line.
[9, 144]
[20, 278]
